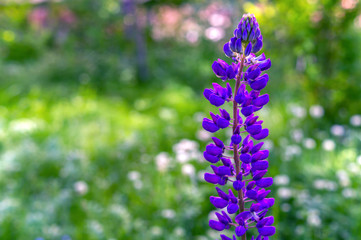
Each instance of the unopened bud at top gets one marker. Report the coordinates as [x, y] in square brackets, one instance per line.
[248, 29]
[247, 34]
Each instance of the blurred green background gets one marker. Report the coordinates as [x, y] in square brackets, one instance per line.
[100, 110]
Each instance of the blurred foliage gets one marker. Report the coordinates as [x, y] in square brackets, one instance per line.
[96, 95]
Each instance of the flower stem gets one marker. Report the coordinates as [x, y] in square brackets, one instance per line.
[235, 147]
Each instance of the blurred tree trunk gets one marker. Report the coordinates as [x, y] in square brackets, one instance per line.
[135, 32]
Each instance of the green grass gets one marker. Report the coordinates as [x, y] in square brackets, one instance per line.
[50, 142]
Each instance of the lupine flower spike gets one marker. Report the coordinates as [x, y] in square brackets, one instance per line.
[243, 200]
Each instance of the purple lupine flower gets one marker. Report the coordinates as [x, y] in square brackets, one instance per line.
[225, 71]
[218, 95]
[246, 168]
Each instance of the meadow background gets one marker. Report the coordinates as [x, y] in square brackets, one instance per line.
[101, 106]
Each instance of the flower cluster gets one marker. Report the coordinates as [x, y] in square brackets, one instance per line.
[247, 166]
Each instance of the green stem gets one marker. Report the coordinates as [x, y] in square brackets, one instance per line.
[235, 146]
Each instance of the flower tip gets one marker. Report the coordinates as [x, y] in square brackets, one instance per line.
[236, 139]
[216, 225]
[267, 231]
[227, 50]
[211, 178]
[224, 237]
[239, 46]
[257, 46]
[264, 182]
[248, 49]
[240, 230]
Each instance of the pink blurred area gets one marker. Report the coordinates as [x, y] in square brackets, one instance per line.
[39, 17]
[185, 23]
[43, 18]
[349, 4]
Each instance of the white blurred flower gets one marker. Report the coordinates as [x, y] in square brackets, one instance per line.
[268, 144]
[156, 231]
[219, 20]
[343, 178]
[200, 175]
[8, 204]
[302, 196]
[190, 29]
[313, 218]
[23, 125]
[8, 161]
[134, 175]
[183, 157]
[204, 135]
[300, 230]
[297, 135]
[212, 215]
[214, 33]
[81, 187]
[186, 150]
[355, 120]
[168, 213]
[323, 184]
[212, 234]
[179, 231]
[138, 184]
[192, 36]
[297, 111]
[34, 217]
[354, 168]
[52, 230]
[316, 111]
[167, 113]
[185, 145]
[119, 210]
[198, 116]
[265, 112]
[337, 130]
[95, 226]
[309, 143]
[284, 193]
[328, 145]
[281, 180]
[285, 207]
[294, 149]
[349, 193]
[188, 169]
[291, 151]
[162, 160]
